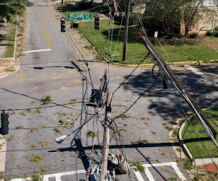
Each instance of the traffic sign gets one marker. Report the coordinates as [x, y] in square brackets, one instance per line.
[79, 16]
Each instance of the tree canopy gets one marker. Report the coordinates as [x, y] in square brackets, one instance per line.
[167, 15]
[10, 7]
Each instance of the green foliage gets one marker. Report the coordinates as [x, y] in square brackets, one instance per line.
[10, 44]
[91, 134]
[133, 18]
[10, 69]
[10, 9]
[165, 16]
[36, 177]
[73, 100]
[209, 33]
[215, 33]
[37, 111]
[10, 138]
[140, 142]
[84, 5]
[187, 164]
[172, 179]
[139, 166]
[193, 35]
[63, 122]
[216, 28]
[124, 116]
[2, 175]
[35, 158]
[46, 100]
[123, 130]
[181, 65]
[58, 130]
[179, 35]
[169, 129]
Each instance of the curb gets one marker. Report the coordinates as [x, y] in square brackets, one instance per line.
[2, 156]
[182, 143]
[199, 161]
[94, 46]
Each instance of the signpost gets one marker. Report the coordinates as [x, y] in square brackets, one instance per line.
[79, 16]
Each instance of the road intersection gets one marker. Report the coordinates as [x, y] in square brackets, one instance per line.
[53, 66]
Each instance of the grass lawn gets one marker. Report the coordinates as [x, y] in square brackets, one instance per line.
[10, 44]
[176, 50]
[196, 147]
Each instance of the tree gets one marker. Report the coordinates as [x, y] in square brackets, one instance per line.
[191, 10]
[8, 7]
[166, 16]
[163, 15]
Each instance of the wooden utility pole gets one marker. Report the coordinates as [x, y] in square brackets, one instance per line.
[126, 30]
[192, 103]
[106, 137]
[115, 7]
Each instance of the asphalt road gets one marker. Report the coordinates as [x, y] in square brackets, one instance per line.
[62, 75]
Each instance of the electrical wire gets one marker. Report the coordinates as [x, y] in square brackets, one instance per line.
[135, 101]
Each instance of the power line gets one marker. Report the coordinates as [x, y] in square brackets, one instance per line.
[136, 100]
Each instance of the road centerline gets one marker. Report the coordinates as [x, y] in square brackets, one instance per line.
[48, 39]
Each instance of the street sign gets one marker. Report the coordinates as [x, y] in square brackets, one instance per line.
[79, 16]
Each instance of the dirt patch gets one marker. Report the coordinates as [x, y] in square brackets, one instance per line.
[207, 41]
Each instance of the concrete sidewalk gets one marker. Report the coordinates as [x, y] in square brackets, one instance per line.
[2, 156]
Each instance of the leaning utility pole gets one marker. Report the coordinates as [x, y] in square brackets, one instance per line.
[115, 8]
[126, 30]
[167, 71]
[106, 137]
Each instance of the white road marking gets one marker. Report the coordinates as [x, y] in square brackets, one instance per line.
[197, 72]
[56, 175]
[138, 175]
[42, 50]
[149, 175]
[173, 164]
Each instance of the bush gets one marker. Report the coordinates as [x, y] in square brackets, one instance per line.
[216, 28]
[209, 33]
[215, 33]
[179, 35]
[132, 18]
[170, 35]
[84, 5]
[193, 35]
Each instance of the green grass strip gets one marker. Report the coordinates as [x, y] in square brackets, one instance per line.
[10, 44]
[194, 144]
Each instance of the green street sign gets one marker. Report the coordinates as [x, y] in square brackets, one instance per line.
[79, 16]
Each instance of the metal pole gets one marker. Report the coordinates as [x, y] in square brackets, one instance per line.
[106, 137]
[126, 31]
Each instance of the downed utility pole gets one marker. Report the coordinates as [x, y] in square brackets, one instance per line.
[177, 84]
[115, 7]
[106, 137]
[126, 30]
